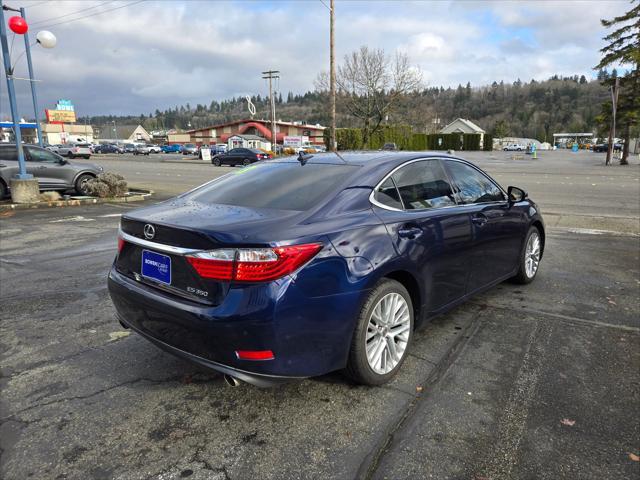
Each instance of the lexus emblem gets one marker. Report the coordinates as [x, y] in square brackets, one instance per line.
[149, 231]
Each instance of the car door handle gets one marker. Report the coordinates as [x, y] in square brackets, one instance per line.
[479, 219]
[409, 232]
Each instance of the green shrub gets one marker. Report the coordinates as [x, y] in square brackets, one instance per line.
[487, 144]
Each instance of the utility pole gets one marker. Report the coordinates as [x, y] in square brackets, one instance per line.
[332, 77]
[22, 168]
[612, 131]
[27, 48]
[271, 75]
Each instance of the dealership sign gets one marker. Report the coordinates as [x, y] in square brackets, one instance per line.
[63, 113]
[296, 141]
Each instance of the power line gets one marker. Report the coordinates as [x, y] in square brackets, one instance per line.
[93, 14]
[70, 14]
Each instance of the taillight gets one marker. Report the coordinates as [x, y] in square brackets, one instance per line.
[75, 149]
[121, 243]
[252, 264]
[217, 264]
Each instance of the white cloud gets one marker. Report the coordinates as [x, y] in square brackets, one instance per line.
[158, 54]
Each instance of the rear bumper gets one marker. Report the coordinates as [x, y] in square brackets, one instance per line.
[263, 381]
[309, 336]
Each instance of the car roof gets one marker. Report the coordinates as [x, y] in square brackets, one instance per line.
[373, 165]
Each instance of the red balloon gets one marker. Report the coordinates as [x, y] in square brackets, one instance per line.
[18, 25]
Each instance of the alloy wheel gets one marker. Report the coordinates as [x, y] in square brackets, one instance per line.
[532, 255]
[388, 333]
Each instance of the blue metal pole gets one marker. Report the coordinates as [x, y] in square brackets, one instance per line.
[12, 96]
[27, 48]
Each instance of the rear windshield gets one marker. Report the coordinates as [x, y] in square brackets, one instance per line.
[282, 186]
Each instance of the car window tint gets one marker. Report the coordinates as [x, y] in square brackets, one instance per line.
[283, 186]
[387, 194]
[38, 155]
[473, 186]
[9, 153]
[423, 185]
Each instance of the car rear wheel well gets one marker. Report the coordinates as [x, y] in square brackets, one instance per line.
[409, 282]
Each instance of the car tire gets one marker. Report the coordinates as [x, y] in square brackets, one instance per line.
[505, 149]
[529, 261]
[80, 185]
[87, 157]
[216, 162]
[3, 190]
[246, 162]
[519, 149]
[373, 334]
[70, 155]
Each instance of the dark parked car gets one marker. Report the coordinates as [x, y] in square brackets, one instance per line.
[295, 268]
[390, 146]
[603, 147]
[239, 156]
[108, 148]
[52, 171]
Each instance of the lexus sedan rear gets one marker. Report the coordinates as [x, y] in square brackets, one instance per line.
[294, 268]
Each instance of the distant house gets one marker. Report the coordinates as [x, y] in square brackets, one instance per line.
[462, 125]
[248, 141]
[125, 133]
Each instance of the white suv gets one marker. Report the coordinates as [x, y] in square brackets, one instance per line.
[74, 149]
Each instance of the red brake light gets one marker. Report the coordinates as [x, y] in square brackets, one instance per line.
[255, 354]
[121, 243]
[252, 264]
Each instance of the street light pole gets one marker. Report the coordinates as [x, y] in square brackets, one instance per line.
[27, 48]
[332, 77]
[22, 169]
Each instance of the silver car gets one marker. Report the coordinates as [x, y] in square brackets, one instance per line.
[75, 149]
[52, 171]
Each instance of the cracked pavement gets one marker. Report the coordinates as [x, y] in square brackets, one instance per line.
[537, 381]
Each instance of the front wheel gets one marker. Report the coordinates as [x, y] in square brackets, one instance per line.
[382, 335]
[530, 257]
[216, 162]
[246, 162]
[81, 184]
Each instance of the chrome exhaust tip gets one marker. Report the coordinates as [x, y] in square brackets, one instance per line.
[231, 381]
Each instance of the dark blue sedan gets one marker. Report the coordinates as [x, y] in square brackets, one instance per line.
[294, 268]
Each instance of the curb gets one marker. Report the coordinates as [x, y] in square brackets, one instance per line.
[139, 195]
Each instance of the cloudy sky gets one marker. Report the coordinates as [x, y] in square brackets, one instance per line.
[131, 57]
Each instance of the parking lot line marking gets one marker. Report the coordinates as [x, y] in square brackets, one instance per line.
[77, 218]
[109, 215]
[566, 318]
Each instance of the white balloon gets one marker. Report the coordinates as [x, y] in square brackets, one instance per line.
[46, 39]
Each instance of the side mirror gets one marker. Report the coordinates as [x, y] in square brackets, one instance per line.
[516, 194]
[62, 161]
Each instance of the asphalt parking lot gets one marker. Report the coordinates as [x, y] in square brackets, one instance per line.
[537, 381]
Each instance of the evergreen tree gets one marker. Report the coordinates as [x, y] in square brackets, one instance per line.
[623, 48]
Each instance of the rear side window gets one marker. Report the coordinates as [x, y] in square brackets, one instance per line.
[473, 186]
[387, 194]
[9, 153]
[424, 185]
[282, 186]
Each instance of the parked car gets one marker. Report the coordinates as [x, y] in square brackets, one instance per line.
[53, 148]
[604, 147]
[175, 148]
[240, 156]
[129, 147]
[75, 149]
[390, 146]
[52, 171]
[142, 150]
[294, 269]
[108, 148]
[514, 147]
[154, 148]
[189, 149]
